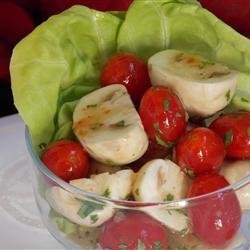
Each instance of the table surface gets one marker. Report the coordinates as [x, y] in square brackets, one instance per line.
[21, 226]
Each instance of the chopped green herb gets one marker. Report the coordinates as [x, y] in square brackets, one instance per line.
[228, 138]
[228, 95]
[244, 99]
[137, 192]
[91, 106]
[94, 218]
[119, 124]
[181, 211]
[110, 162]
[248, 131]
[203, 64]
[166, 104]
[106, 193]
[163, 143]
[157, 245]
[156, 126]
[42, 145]
[140, 245]
[169, 197]
[128, 197]
[189, 172]
[96, 125]
[123, 246]
[169, 212]
[183, 232]
[88, 207]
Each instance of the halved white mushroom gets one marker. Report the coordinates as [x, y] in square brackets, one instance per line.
[109, 127]
[79, 211]
[116, 186]
[87, 212]
[162, 180]
[204, 87]
[234, 171]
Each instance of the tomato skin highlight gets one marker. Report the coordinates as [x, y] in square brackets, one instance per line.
[67, 159]
[162, 115]
[215, 219]
[200, 151]
[234, 128]
[129, 70]
[132, 230]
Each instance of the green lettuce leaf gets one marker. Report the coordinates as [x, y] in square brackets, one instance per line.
[152, 26]
[60, 61]
[57, 63]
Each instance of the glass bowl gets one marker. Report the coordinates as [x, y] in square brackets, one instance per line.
[213, 221]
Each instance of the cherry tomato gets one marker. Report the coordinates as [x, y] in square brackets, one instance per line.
[200, 151]
[163, 115]
[131, 231]
[67, 159]
[129, 70]
[234, 128]
[215, 219]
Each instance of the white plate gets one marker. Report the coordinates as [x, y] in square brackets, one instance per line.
[20, 223]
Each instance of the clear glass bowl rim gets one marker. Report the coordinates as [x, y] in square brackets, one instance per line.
[181, 203]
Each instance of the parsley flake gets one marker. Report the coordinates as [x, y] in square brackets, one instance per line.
[137, 192]
[119, 124]
[106, 193]
[163, 143]
[244, 99]
[169, 197]
[140, 245]
[228, 95]
[228, 138]
[189, 172]
[42, 145]
[157, 245]
[91, 106]
[94, 218]
[166, 104]
[88, 207]
[183, 232]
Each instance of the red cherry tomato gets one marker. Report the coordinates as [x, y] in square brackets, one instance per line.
[200, 151]
[163, 115]
[234, 128]
[215, 219]
[129, 70]
[132, 231]
[67, 159]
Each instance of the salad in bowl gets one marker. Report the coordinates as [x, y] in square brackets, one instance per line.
[138, 126]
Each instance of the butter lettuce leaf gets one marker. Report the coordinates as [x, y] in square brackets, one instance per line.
[152, 26]
[59, 62]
